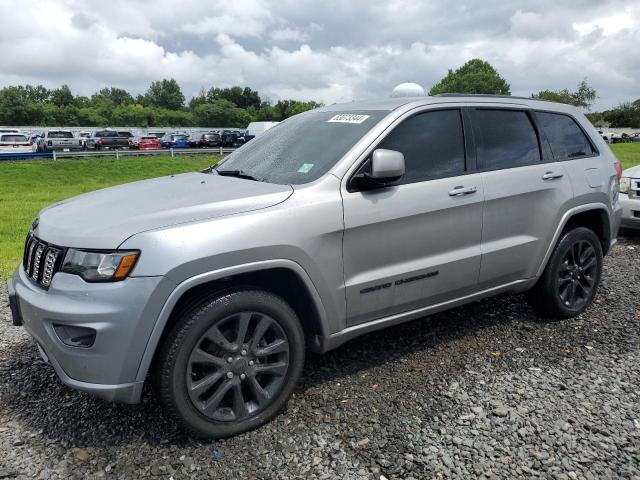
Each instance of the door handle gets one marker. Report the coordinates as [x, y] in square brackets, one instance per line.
[552, 176]
[460, 191]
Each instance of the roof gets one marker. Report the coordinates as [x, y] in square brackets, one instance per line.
[390, 104]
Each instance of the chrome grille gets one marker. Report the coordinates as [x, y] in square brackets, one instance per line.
[634, 190]
[41, 261]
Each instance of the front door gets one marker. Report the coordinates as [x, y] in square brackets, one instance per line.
[416, 243]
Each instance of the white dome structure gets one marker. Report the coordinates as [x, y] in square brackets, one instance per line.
[408, 89]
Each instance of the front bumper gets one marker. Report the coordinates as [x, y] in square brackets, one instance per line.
[630, 211]
[123, 315]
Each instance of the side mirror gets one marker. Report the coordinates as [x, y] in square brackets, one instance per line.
[387, 166]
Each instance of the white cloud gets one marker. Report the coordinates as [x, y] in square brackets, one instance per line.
[327, 52]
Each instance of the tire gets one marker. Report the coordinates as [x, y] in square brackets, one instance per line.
[575, 266]
[215, 395]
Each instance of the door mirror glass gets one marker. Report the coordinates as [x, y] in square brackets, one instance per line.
[385, 167]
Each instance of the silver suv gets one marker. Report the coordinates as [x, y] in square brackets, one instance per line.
[334, 223]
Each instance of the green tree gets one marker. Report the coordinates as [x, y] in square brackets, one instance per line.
[583, 96]
[624, 115]
[165, 94]
[287, 108]
[221, 113]
[14, 108]
[475, 76]
[241, 97]
[113, 97]
[62, 96]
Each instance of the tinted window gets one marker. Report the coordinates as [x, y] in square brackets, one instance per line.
[106, 134]
[13, 138]
[505, 138]
[432, 144]
[565, 137]
[60, 135]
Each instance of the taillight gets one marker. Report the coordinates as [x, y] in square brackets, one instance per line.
[101, 141]
[618, 170]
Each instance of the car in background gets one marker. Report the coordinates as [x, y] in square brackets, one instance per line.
[34, 138]
[15, 143]
[84, 136]
[630, 198]
[145, 142]
[209, 139]
[158, 135]
[175, 140]
[9, 130]
[231, 138]
[257, 128]
[126, 134]
[107, 139]
[59, 140]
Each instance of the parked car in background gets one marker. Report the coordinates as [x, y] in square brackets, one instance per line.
[59, 140]
[232, 138]
[107, 139]
[9, 130]
[34, 138]
[175, 140]
[209, 139]
[126, 134]
[158, 135]
[84, 136]
[15, 143]
[630, 198]
[145, 142]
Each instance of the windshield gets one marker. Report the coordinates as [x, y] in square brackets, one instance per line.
[302, 148]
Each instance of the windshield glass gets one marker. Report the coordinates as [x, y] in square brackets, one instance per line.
[302, 148]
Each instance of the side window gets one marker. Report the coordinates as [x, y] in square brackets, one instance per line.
[505, 139]
[432, 144]
[565, 137]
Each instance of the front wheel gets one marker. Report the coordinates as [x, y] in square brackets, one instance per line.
[571, 278]
[230, 364]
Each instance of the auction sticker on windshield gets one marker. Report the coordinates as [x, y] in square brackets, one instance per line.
[348, 118]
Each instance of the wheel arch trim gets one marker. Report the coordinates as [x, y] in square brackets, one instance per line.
[563, 222]
[206, 277]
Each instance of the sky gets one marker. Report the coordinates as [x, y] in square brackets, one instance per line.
[325, 51]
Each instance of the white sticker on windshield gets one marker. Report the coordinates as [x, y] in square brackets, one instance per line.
[305, 168]
[348, 118]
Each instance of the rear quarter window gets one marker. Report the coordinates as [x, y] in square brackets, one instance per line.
[566, 139]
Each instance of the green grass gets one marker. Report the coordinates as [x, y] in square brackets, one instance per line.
[627, 153]
[28, 186]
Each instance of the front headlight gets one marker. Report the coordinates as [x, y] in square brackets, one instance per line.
[625, 184]
[99, 266]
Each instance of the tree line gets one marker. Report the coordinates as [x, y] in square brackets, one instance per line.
[164, 104]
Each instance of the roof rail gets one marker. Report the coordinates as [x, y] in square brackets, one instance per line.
[488, 95]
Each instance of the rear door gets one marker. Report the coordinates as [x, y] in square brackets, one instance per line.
[526, 194]
[415, 243]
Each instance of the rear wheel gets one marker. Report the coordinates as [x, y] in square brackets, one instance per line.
[571, 278]
[230, 364]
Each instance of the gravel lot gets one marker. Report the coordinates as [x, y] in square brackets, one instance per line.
[488, 390]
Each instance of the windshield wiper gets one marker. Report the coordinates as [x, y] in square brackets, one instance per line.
[237, 173]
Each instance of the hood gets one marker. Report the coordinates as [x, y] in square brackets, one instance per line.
[633, 172]
[105, 218]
